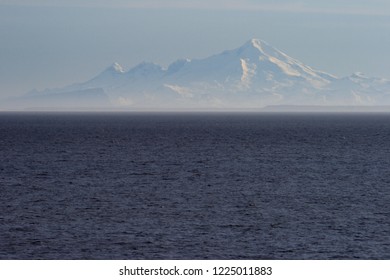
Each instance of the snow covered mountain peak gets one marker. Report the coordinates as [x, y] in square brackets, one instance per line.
[253, 75]
[260, 49]
[117, 67]
[272, 64]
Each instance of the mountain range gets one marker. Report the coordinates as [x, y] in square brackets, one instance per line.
[254, 75]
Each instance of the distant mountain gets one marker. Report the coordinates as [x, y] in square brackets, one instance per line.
[252, 76]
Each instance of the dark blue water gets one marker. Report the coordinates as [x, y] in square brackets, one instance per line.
[194, 186]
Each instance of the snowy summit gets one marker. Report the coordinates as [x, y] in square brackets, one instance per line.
[252, 76]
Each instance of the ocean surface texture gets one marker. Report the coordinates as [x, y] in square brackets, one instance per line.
[194, 186]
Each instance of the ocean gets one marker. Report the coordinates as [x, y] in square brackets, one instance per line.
[194, 186]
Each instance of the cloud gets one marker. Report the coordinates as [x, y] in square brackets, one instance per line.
[358, 7]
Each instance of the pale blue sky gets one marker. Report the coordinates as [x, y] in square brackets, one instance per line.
[48, 43]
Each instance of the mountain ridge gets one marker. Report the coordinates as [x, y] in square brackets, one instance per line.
[252, 75]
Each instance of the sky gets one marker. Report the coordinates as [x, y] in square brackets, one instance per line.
[53, 43]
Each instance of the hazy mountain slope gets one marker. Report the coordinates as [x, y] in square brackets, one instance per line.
[251, 76]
